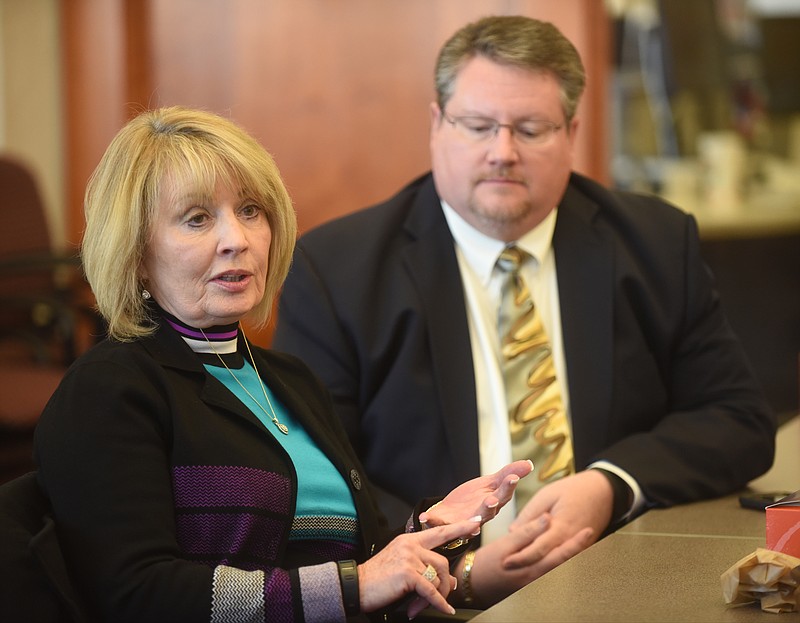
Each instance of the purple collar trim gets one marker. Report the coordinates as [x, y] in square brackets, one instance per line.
[227, 335]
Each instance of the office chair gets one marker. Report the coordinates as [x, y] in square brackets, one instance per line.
[42, 299]
[39, 288]
[34, 584]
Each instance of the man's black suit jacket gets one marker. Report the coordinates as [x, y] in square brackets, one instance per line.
[659, 384]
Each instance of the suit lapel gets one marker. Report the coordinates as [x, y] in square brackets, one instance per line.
[312, 417]
[431, 261]
[584, 264]
[169, 349]
[214, 393]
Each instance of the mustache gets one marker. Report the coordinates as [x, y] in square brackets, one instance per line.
[501, 173]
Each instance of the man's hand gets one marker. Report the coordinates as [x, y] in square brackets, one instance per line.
[583, 500]
[561, 520]
[492, 581]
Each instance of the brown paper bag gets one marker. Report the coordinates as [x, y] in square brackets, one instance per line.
[764, 576]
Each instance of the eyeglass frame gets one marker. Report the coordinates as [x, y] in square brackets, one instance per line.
[513, 128]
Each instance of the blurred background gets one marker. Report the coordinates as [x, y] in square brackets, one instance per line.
[695, 100]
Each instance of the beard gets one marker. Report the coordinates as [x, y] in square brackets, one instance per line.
[502, 206]
[494, 202]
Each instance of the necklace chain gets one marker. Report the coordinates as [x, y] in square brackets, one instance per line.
[271, 413]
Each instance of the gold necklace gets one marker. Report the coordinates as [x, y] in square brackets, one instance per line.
[271, 413]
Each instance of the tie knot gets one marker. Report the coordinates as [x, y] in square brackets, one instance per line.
[511, 259]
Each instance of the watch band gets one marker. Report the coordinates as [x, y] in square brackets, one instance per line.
[348, 576]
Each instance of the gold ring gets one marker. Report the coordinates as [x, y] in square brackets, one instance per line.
[429, 573]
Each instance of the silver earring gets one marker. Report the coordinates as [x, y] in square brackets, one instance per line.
[145, 295]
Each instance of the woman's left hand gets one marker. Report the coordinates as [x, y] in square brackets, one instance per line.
[402, 568]
[483, 496]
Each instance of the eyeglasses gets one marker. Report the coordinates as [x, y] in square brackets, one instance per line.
[482, 129]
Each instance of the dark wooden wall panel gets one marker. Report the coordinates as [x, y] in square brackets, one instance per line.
[94, 93]
[337, 90]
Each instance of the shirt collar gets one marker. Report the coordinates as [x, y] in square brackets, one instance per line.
[481, 251]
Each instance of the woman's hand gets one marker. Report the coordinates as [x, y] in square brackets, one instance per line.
[483, 496]
[398, 569]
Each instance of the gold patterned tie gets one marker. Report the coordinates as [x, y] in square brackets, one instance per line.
[537, 420]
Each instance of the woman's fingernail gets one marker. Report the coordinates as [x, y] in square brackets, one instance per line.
[532, 466]
[476, 518]
[513, 481]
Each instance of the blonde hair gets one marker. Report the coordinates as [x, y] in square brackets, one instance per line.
[516, 41]
[189, 146]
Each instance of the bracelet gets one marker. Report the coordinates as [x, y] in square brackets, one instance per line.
[348, 576]
[469, 562]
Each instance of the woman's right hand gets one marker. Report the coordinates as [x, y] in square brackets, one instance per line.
[396, 570]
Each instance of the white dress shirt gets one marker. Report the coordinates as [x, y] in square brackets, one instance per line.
[477, 255]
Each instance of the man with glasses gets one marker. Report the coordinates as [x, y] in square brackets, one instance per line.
[504, 306]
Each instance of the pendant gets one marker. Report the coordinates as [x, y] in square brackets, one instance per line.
[282, 427]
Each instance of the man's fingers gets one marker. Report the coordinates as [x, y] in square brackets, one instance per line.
[565, 551]
[533, 542]
[548, 551]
